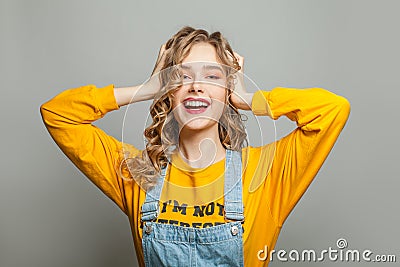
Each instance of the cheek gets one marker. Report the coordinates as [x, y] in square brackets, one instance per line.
[219, 104]
[177, 95]
[220, 95]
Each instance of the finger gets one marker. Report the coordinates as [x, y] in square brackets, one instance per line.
[160, 59]
[239, 57]
[240, 60]
[161, 52]
[162, 49]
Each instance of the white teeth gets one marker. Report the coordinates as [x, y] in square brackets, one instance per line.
[195, 104]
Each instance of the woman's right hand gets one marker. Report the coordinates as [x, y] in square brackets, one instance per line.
[160, 60]
[147, 91]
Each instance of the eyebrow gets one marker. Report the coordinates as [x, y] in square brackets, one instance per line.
[205, 67]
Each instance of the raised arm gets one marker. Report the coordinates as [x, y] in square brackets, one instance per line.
[68, 117]
[320, 116]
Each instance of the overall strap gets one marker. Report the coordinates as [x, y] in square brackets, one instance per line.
[151, 208]
[233, 186]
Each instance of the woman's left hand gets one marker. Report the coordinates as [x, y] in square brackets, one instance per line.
[240, 98]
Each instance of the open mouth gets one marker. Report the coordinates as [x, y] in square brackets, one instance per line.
[196, 105]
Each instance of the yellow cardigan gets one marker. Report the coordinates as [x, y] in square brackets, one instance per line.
[275, 175]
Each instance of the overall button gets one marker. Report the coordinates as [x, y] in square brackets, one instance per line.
[234, 230]
[148, 229]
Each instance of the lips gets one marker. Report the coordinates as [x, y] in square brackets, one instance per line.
[196, 105]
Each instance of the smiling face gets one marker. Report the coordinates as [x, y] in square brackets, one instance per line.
[200, 101]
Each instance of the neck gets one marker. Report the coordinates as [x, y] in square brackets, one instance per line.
[201, 148]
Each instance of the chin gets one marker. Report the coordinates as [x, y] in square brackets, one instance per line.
[198, 124]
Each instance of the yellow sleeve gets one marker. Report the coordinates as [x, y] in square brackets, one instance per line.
[68, 117]
[320, 116]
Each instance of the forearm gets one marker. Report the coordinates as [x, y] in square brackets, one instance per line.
[320, 116]
[132, 94]
[78, 106]
[311, 108]
[242, 100]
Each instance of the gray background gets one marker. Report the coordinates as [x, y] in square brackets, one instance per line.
[51, 215]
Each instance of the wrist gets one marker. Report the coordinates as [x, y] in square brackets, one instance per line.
[246, 101]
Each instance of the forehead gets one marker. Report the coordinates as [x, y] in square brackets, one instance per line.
[202, 52]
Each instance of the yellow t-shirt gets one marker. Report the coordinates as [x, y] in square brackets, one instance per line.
[275, 176]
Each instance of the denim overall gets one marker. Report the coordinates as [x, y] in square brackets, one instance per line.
[221, 245]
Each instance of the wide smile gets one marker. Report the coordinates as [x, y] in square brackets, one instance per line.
[196, 105]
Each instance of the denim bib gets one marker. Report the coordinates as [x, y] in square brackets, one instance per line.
[221, 245]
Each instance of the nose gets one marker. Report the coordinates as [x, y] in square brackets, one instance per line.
[196, 87]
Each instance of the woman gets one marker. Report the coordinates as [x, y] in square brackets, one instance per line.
[197, 194]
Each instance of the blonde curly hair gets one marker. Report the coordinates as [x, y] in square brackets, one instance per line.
[163, 134]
